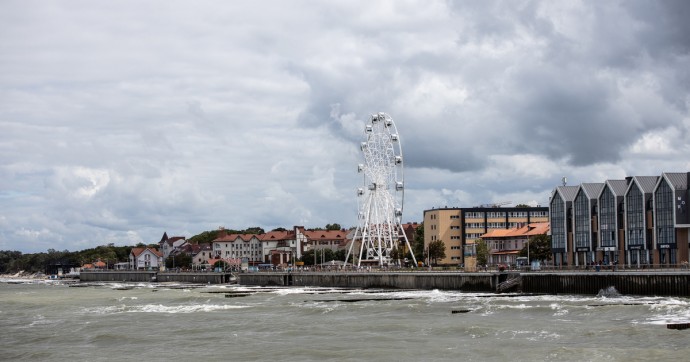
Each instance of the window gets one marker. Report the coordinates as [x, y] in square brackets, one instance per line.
[634, 216]
[607, 218]
[558, 223]
[582, 221]
[664, 207]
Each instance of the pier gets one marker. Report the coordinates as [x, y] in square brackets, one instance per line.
[585, 283]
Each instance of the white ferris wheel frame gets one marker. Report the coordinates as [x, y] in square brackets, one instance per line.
[380, 200]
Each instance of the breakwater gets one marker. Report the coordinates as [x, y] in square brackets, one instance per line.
[629, 283]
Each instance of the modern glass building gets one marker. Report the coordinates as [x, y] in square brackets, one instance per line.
[585, 213]
[611, 225]
[670, 216]
[642, 221]
[638, 220]
[560, 214]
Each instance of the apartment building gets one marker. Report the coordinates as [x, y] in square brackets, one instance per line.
[639, 221]
[458, 227]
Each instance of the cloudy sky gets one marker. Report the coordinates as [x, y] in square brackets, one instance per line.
[121, 120]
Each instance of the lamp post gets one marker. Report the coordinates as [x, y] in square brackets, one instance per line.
[529, 263]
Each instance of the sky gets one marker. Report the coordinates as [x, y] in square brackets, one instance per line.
[122, 120]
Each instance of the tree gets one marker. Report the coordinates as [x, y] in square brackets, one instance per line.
[180, 260]
[254, 230]
[333, 227]
[539, 248]
[482, 252]
[418, 242]
[322, 256]
[437, 250]
[522, 205]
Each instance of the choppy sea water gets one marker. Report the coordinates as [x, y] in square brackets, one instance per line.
[41, 321]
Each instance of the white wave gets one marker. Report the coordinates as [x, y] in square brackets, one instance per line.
[159, 308]
[126, 298]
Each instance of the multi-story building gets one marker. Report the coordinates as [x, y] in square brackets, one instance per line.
[560, 215]
[145, 258]
[671, 219]
[458, 227]
[240, 246]
[611, 224]
[585, 214]
[639, 221]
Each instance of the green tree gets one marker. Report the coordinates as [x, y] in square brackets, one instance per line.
[322, 256]
[482, 252]
[253, 230]
[539, 248]
[418, 242]
[333, 227]
[437, 250]
[180, 260]
[522, 205]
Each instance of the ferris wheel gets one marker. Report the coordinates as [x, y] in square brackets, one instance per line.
[380, 199]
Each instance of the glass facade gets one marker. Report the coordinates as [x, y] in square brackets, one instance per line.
[664, 209]
[582, 223]
[607, 218]
[558, 229]
[634, 217]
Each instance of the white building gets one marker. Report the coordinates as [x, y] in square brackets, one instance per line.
[145, 258]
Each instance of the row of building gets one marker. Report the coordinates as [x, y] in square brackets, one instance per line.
[274, 248]
[639, 221]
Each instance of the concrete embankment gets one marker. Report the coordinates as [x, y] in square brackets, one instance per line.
[150, 276]
[630, 283]
[476, 282]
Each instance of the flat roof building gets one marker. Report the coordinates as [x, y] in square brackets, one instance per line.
[461, 226]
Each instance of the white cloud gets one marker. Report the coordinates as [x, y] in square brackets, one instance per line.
[124, 120]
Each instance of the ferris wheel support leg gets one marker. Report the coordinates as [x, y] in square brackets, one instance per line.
[407, 242]
[349, 250]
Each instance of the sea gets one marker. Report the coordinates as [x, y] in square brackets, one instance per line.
[44, 320]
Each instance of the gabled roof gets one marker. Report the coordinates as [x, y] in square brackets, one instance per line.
[592, 190]
[645, 183]
[234, 237]
[325, 234]
[618, 187]
[567, 193]
[199, 248]
[138, 251]
[677, 180]
[276, 235]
